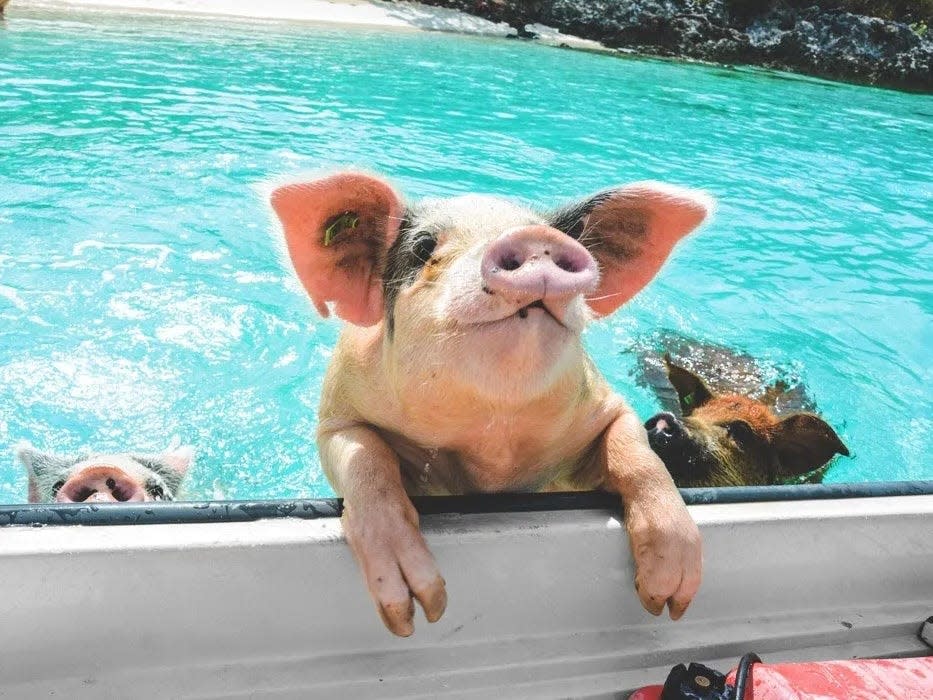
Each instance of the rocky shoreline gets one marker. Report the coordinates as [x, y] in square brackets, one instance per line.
[814, 38]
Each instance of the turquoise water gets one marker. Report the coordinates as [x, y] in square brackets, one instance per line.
[141, 296]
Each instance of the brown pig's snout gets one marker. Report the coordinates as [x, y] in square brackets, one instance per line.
[664, 428]
[538, 262]
[100, 484]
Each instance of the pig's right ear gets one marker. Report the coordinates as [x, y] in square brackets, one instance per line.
[338, 230]
[42, 464]
[691, 389]
[43, 468]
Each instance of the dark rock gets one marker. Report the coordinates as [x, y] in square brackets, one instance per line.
[776, 33]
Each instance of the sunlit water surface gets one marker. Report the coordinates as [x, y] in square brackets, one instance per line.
[142, 298]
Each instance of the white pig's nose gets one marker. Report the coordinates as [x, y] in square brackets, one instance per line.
[538, 262]
[101, 483]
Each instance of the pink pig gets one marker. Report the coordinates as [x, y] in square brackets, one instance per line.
[461, 368]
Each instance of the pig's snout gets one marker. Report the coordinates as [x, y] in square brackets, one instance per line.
[664, 429]
[538, 262]
[100, 484]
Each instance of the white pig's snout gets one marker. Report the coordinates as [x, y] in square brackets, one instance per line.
[100, 484]
[538, 262]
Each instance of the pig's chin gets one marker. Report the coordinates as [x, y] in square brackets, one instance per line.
[516, 357]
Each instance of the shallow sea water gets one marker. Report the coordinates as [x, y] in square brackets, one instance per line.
[142, 297]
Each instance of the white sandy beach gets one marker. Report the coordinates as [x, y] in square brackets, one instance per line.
[400, 15]
[358, 12]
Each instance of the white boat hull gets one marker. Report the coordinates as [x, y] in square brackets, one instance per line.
[541, 604]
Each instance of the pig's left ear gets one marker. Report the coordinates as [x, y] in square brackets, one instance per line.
[631, 231]
[180, 458]
[338, 230]
[803, 442]
[176, 458]
[172, 464]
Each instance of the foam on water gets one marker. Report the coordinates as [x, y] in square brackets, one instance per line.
[142, 297]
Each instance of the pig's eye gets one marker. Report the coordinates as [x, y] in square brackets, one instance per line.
[156, 492]
[56, 487]
[740, 431]
[423, 248]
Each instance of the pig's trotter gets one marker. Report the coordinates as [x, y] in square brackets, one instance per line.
[665, 541]
[381, 527]
[396, 562]
[668, 554]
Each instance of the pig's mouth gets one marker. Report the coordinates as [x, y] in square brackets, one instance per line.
[529, 309]
[524, 314]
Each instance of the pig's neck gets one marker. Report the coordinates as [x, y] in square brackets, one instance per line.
[452, 439]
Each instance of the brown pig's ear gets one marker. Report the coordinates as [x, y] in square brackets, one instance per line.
[803, 442]
[691, 390]
[338, 230]
[631, 231]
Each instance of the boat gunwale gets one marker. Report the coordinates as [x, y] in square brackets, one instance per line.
[183, 512]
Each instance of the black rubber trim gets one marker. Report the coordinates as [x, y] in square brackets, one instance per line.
[310, 509]
[925, 633]
[743, 674]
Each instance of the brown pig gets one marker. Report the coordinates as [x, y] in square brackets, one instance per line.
[461, 368]
[732, 439]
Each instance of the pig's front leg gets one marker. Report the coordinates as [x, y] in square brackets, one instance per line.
[381, 526]
[664, 539]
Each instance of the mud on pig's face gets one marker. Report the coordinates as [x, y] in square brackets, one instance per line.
[104, 478]
[476, 290]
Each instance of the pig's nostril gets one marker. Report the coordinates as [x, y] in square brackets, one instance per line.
[510, 263]
[83, 494]
[566, 264]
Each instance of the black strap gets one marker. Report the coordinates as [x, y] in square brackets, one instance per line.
[743, 674]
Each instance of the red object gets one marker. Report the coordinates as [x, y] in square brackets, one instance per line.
[863, 679]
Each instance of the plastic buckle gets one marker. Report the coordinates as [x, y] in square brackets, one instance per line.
[695, 682]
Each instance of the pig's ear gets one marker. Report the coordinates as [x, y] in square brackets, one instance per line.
[42, 464]
[179, 458]
[43, 469]
[631, 231]
[338, 230]
[172, 464]
[803, 442]
[691, 390]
